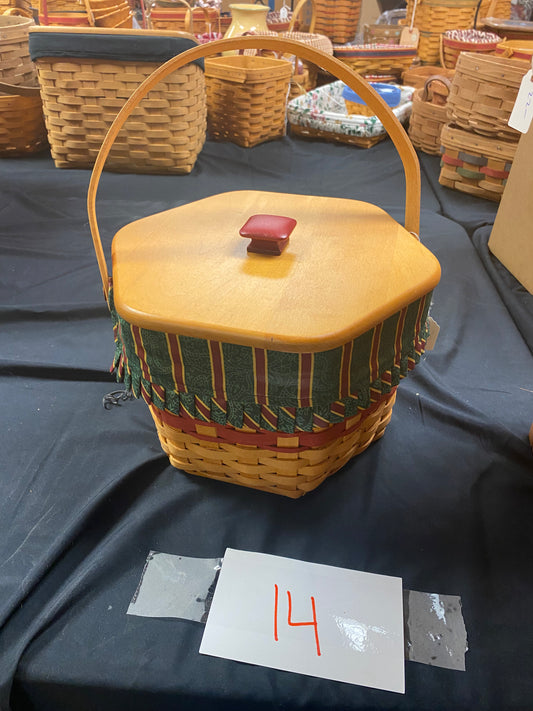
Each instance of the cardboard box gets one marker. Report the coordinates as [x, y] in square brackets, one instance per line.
[511, 239]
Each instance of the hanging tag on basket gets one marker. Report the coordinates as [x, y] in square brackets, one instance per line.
[522, 113]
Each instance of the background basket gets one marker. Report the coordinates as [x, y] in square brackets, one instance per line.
[493, 8]
[16, 7]
[22, 128]
[246, 98]
[377, 59]
[453, 42]
[382, 34]
[417, 76]
[82, 96]
[475, 164]
[429, 114]
[337, 19]
[483, 93]
[16, 66]
[195, 20]
[71, 13]
[433, 17]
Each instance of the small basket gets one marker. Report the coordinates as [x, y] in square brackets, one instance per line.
[376, 59]
[246, 98]
[22, 128]
[493, 8]
[382, 34]
[483, 94]
[517, 49]
[197, 20]
[322, 114]
[453, 42]
[475, 164]
[21, 8]
[81, 97]
[338, 19]
[429, 114]
[417, 76]
[64, 13]
[16, 66]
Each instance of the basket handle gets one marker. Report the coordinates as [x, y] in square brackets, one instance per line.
[429, 81]
[330, 64]
[296, 13]
[16, 90]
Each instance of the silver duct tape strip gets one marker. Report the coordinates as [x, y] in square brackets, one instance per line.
[183, 587]
[434, 629]
[176, 586]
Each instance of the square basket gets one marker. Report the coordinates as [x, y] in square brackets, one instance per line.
[269, 364]
[86, 77]
[246, 98]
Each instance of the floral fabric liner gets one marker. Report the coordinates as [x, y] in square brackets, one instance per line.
[324, 109]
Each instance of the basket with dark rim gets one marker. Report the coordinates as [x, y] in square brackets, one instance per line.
[254, 380]
[90, 79]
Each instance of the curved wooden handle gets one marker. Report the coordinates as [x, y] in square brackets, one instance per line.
[297, 11]
[330, 64]
[435, 77]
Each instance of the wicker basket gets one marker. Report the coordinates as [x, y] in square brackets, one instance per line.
[433, 18]
[429, 114]
[196, 20]
[246, 98]
[337, 19]
[475, 164]
[81, 97]
[454, 42]
[22, 128]
[382, 34]
[517, 49]
[377, 59]
[483, 94]
[417, 76]
[20, 8]
[493, 8]
[16, 66]
[63, 13]
[261, 443]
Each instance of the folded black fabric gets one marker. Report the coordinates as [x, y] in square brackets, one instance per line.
[117, 47]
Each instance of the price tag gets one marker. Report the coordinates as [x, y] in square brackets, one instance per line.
[522, 113]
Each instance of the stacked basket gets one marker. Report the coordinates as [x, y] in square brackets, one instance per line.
[478, 146]
[21, 115]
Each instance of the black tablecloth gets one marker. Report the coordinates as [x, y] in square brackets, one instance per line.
[444, 500]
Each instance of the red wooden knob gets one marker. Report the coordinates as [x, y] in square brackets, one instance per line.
[269, 234]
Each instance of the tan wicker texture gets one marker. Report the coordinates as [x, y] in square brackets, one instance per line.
[382, 34]
[291, 474]
[82, 97]
[494, 8]
[16, 66]
[337, 19]
[17, 7]
[428, 115]
[483, 93]
[22, 128]
[69, 13]
[484, 43]
[246, 98]
[475, 164]
[390, 66]
[360, 141]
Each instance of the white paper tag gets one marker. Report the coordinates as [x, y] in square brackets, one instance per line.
[434, 329]
[308, 618]
[522, 112]
[284, 13]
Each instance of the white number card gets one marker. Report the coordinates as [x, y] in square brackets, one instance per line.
[308, 618]
[522, 112]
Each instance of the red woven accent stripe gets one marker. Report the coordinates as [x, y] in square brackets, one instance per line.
[264, 438]
[493, 173]
[451, 161]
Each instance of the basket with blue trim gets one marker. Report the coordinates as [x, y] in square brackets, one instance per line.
[268, 332]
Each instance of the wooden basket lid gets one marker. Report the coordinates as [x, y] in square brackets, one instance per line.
[347, 267]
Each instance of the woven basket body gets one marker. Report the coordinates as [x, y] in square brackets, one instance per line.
[429, 115]
[63, 13]
[16, 66]
[483, 93]
[176, 18]
[475, 164]
[246, 98]
[22, 128]
[479, 43]
[16, 7]
[494, 8]
[377, 60]
[382, 34]
[81, 98]
[434, 17]
[337, 19]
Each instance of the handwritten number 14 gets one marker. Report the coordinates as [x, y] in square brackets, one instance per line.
[290, 622]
